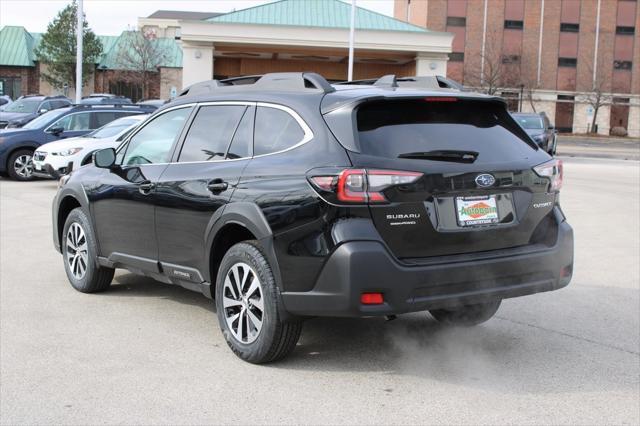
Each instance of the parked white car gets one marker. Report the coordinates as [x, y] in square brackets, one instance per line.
[58, 158]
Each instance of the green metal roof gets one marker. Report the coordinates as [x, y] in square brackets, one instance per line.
[114, 47]
[16, 47]
[315, 13]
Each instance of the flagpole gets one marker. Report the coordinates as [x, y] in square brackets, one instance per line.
[351, 36]
[79, 34]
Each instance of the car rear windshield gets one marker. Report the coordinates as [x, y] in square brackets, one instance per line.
[529, 121]
[393, 128]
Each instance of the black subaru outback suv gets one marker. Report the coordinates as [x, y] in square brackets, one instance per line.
[284, 197]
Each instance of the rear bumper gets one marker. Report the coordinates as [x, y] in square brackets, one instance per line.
[366, 266]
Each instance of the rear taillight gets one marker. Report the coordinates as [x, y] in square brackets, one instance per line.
[552, 170]
[361, 186]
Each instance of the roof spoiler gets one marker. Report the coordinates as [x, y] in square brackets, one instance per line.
[290, 81]
[418, 82]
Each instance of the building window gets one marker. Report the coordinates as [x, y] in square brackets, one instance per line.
[456, 57]
[455, 21]
[513, 25]
[510, 59]
[625, 30]
[622, 65]
[621, 101]
[569, 28]
[567, 62]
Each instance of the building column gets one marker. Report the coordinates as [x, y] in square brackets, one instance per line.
[634, 118]
[431, 64]
[197, 63]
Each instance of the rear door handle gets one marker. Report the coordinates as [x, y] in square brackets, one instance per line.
[217, 186]
[146, 187]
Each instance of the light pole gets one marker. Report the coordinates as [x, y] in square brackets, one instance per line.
[351, 36]
[79, 34]
[520, 100]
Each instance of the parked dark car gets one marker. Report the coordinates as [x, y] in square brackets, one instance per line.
[26, 108]
[540, 129]
[290, 198]
[17, 145]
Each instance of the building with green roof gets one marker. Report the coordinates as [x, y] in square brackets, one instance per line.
[295, 35]
[20, 69]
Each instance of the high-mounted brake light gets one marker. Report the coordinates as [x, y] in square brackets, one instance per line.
[361, 186]
[552, 170]
[440, 99]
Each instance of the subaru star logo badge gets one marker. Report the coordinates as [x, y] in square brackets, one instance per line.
[485, 180]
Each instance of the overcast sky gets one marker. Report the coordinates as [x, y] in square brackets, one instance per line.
[111, 17]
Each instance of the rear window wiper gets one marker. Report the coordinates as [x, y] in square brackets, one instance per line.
[443, 155]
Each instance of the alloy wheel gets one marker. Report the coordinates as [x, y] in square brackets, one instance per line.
[23, 165]
[243, 303]
[76, 251]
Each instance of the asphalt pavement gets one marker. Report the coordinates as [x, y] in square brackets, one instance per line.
[149, 353]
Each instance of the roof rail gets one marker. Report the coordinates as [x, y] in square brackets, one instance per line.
[114, 105]
[291, 81]
[418, 82]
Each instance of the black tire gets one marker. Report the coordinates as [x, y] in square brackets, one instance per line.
[468, 315]
[20, 173]
[276, 338]
[95, 278]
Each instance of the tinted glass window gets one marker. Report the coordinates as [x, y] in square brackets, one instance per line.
[103, 118]
[529, 121]
[153, 143]
[210, 133]
[59, 104]
[45, 105]
[275, 130]
[24, 105]
[392, 128]
[243, 139]
[74, 122]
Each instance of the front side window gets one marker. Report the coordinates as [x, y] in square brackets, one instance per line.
[153, 143]
[74, 122]
[210, 133]
[275, 130]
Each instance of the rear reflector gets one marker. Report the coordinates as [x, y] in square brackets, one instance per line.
[552, 170]
[371, 299]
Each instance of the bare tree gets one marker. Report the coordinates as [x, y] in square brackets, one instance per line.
[495, 70]
[139, 55]
[600, 94]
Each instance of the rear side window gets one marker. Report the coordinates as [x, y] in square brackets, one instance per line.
[210, 133]
[103, 118]
[275, 130]
[393, 128]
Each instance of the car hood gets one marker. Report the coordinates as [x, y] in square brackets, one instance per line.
[57, 146]
[6, 134]
[11, 116]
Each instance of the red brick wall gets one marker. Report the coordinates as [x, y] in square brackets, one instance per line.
[28, 78]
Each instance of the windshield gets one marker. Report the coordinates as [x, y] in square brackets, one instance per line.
[23, 105]
[44, 119]
[529, 121]
[112, 128]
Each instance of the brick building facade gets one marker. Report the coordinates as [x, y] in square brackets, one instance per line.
[550, 54]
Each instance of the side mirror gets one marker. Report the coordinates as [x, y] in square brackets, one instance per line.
[104, 158]
[42, 110]
[56, 130]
